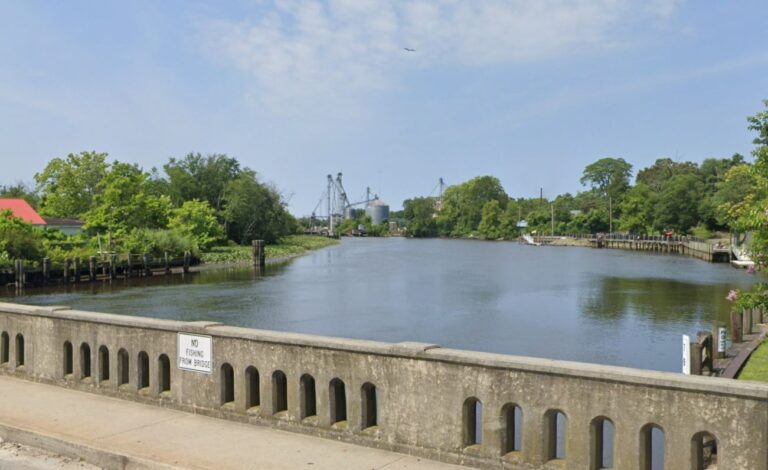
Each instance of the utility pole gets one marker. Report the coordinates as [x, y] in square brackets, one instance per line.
[610, 215]
[330, 214]
[552, 207]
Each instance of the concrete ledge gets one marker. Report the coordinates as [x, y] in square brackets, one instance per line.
[101, 458]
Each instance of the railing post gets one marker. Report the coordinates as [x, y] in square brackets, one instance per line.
[746, 322]
[696, 358]
[187, 256]
[67, 269]
[77, 270]
[259, 256]
[129, 271]
[113, 266]
[166, 263]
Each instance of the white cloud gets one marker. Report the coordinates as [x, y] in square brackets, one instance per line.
[325, 51]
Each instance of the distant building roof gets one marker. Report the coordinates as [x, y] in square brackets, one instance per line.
[56, 221]
[21, 209]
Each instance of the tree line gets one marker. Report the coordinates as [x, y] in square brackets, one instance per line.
[719, 194]
[195, 203]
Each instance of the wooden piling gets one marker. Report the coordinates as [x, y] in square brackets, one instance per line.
[129, 270]
[46, 270]
[113, 266]
[746, 322]
[147, 265]
[187, 259]
[77, 270]
[736, 333]
[166, 264]
[696, 358]
[92, 268]
[259, 254]
[718, 348]
[67, 269]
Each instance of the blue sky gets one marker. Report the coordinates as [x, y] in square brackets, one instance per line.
[530, 91]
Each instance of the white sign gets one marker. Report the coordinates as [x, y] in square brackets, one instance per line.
[195, 353]
[686, 355]
[721, 339]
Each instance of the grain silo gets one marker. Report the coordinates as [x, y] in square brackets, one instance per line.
[378, 210]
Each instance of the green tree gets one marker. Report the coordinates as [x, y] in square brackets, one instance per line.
[490, 223]
[637, 210]
[419, 214]
[68, 186]
[463, 205]
[19, 239]
[198, 177]
[677, 207]
[610, 178]
[664, 169]
[254, 211]
[759, 123]
[197, 219]
[127, 199]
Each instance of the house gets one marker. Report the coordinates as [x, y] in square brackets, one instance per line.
[21, 209]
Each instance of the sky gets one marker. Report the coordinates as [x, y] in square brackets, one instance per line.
[530, 91]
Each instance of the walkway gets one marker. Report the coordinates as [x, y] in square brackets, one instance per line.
[115, 433]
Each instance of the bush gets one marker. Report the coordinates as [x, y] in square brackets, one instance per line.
[158, 242]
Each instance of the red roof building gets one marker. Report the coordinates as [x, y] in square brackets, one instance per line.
[21, 209]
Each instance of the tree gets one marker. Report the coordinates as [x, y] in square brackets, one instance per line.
[127, 199]
[741, 189]
[203, 178]
[677, 207]
[490, 223]
[658, 174]
[197, 219]
[69, 186]
[254, 211]
[610, 178]
[419, 214]
[463, 204]
[637, 210]
[19, 239]
[759, 123]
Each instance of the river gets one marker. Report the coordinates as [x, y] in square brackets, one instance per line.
[579, 304]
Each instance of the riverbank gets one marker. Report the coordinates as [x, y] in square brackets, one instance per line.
[288, 248]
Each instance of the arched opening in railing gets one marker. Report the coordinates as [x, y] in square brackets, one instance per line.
[67, 365]
[472, 420]
[601, 433]
[279, 392]
[308, 396]
[123, 362]
[369, 406]
[252, 394]
[85, 361]
[227, 384]
[555, 439]
[703, 451]
[338, 395]
[103, 363]
[142, 371]
[652, 447]
[164, 373]
[5, 348]
[19, 350]
[511, 428]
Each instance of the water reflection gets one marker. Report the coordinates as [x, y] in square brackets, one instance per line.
[604, 306]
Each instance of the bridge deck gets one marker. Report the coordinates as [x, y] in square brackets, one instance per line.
[110, 431]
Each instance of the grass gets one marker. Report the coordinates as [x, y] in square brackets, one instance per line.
[293, 245]
[757, 365]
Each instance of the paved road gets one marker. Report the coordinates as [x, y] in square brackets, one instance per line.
[178, 439]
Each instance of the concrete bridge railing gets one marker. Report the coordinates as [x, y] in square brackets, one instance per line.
[487, 410]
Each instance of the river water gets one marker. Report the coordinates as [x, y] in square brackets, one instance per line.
[580, 304]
